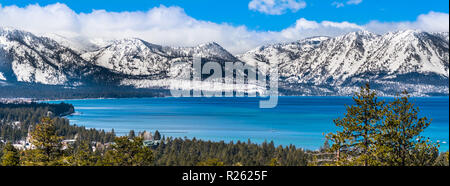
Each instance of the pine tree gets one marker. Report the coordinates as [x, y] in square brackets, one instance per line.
[211, 162]
[157, 135]
[374, 133]
[132, 134]
[274, 162]
[358, 127]
[399, 142]
[126, 152]
[47, 144]
[10, 156]
[325, 147]
[443, 159]
[82, 155]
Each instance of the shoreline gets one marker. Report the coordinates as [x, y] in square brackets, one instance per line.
[123, 130]
[67, 115]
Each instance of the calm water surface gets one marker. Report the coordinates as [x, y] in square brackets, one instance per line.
[301, 121]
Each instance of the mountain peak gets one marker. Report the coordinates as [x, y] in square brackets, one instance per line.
[211, 45]
[405, 33]
[208, 50]
[134, 42]
[365, 33]
[312, 40]
[362, 34]
[409, 31]
[393, 58]
[7, 29]
[12, 32]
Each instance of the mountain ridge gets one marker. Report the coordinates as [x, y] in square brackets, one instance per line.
[415, 60]
[359, 57]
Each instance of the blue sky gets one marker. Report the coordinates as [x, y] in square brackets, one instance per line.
[237, 25]
[236, 12]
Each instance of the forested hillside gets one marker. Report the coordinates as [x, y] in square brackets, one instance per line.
[16, 120]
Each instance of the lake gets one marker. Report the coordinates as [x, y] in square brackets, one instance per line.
[300, 121]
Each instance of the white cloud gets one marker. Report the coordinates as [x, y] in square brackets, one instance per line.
[337, 4]
[354, 2]
[304, 28]
[276, 7]
[349, 2]
[172, 26]
[431, 22]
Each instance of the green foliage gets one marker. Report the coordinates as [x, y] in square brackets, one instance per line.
[187, 152]
[398, 140]
[378, 134]
[48, 151]
[131, 134]
[157, 135]
[128, 152]
[274, 162]
[10, 156]
[210, 162]
[46, 140]
[358, 127]
[47, 145]
[443, 159]
[29, 114]
[82, 155]
[424, 153]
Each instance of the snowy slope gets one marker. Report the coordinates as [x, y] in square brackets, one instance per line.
[79, 45]
[139, 58]
[357, 57]
[33, 59]
[413, 60]
[25, 57]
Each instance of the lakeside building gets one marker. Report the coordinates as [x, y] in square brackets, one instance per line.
[152, 143]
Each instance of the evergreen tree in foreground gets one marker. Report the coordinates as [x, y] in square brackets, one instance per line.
[211, 162]
[358, 128]
[399, 142]
[442, 160]
[10, 156]
[47, 145]
[82, 155]
[128, 152]
[374, 133]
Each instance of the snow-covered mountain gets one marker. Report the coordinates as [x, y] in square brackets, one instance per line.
[78, 44]
[413, 60]
[139, 58]
[25, 57]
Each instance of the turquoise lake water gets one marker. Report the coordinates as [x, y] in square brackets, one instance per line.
[301, 121]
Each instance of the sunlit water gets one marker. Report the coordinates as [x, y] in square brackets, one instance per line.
[301, 121]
